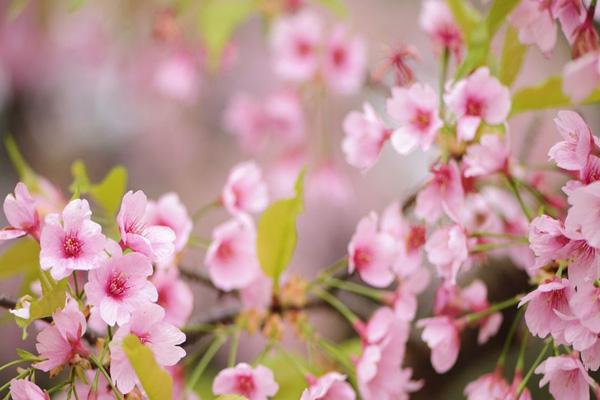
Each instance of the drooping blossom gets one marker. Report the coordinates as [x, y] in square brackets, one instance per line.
[397, 61]
[231, 257]
[22, 389]
[178, 77]
[295, 42]
[174, 296]
[479, 98]
[386, 330]
[582, 76]
[475, 299]
[572, 153]
[255, 383]
[169, 211]
[488, 386]
[147, 323]
[371, 253]
[120, 286]
[583, 218]
[442, 336]
[71, 241]
[437, 21]
[416, 110]
[61, 343]
[404, 298]
[547, 240]
[21, 213]
[365, 135]
[332, 385]
[443, 193]
[245, 190]
[344, 61]
[567, 377]
[488, 156]
[154, 241]
[535, 22]
[585, 305]
[514, 389]
[447, 249]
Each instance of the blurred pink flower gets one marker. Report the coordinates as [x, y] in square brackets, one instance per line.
[231, 257]
[344, 65]
[21, 389]
[475, 298]
[169, 211]
[174, 295]
[178, 77]
[120, 286]
[547, 240]
[582, 76]
[447, 249]
[443, 193]
[478, 98]
[572, 153]
[404, 299]
[535, 21]
[332, 385]
[258, 294]
[583, 218]
[567, 377]
[416, 110]
[488, 156]
[544, 303]
[71, 241]
[365, 135]
[326, 183]
[488, 386]
[245, 190]
[442, 336]
[437, 21]
[254, 383]
[21, 213]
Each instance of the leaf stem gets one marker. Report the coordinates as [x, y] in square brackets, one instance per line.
[509, 337]
[537, 362]
[514, 187]
[216, 344]
[340, 307]
[356, 288]
[474, 317]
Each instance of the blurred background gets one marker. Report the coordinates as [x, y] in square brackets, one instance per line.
[125, 82]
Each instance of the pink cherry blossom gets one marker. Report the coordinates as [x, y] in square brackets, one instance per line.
[567, 377]
[255, 383]
[543, 304]
[21, 213]
[258, 294]
[174, 295]
[120, 286]
[487, 386]
[231, 257]
[71, 241]
[404, 299]
[416, 110]
[244, 118]
[488, 156]
[475, 299]
[147, 323]
[154, 241]
[344, 61]
[371, 253]
[582, 76]
[584, 267]
[535, 22]
[295, 44]
[21, 389]
[437, 21]
[585, 305]
[169, 211]
[245, 190]
[547, 240]
[365, 135]
[573, 152]
[178, 77]
[442, 336]
[284, 116]
[443, 193]
[478, 98]
[332, 385]
[61, 343]
[583, 218]
[326, 183]
[514, 389]
[388, 331]
[447, 249]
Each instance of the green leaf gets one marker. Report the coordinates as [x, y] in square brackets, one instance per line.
[25, 172]
[498, 13]
[108, 193]
[16, 7]
[465, 15]
[81, 182]
[277, 236]
[27, 356]
[337, 7]
[218, 21]
[21, 258]
[157, 382]
[478, 48]
[513, 55]
[54, 297]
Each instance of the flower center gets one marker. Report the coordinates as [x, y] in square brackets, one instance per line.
[72, 246]
[245, 385]
[117, 286]
[225, 251]
[474, 107]
[421, 120]
[303, 48]
[416, 238]
[362, 258]
[338, 56]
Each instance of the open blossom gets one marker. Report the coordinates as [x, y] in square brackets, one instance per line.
[443, 193]
[582, 76]
[295, 44]
[120, 286]
[344, 62]
[255, 383]
[547, 240]
[21, 389]
[488, 386]
[544, 303]
[447, 249]
[478, 98]
[583, 218]
[488, 156]
[437, 21]
[174, 295]
[21, 213]
[155, 241]
[231, 257]
[535, 22]
[169, 211]
[572, 153]
[71, 241]
[442, 336]
[365, 135]
[371, 253]
[475, 298]
[416, 110]
[245, 190]
[567, 377]
[404, 299]
[585, 305]
[61, 343]
[332, 385]
[147, 323]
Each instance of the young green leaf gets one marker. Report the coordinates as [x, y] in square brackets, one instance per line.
[277, 236]
[477, 51]
[81, 182]
[108, 193]
[21, 258]
[157, 382]
[26, 173]
[54, 297]
[337, 7]
[465, 15]
[513, 55]
[498, 13]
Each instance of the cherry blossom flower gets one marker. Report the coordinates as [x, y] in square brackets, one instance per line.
[404, 299]
[174, 296]
[284, 117]
[443, 193]
[416, 110]
[257, 294]
[535, 22]
[147, 323]
[61, 343]
[514, 389]
[447, 249]
[245, 190]
[169, 211]
[437, 21]
[488, 156]
[547, 240]
[573, 152]
[386, 330]
[178, 77]
[295, 44]
[332, 385]
[120, 286]
[487, 386]
[154, 241]
[255, 383]
[442, 336]
[567, 377]
[244, 118]
[582, 218]
[585, 305]
[344, 61]
[478, 98]
[371, 253]
[474, 297]
[71, 241]
[365, 135]
[231, 257]
[326, 183]
[21, 389]
[21, 213]
[582, 76]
